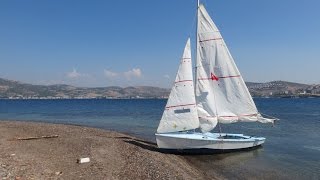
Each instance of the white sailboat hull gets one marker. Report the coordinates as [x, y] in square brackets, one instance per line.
[212, 141]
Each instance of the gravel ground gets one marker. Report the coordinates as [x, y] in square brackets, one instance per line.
[113, 155]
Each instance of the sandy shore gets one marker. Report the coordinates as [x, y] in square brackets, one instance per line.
[113, 155]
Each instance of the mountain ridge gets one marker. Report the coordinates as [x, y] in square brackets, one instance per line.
[16, 89]
[11, 88]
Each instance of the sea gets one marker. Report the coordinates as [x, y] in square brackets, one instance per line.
[291, 151]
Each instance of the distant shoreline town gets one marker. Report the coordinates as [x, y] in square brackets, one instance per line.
[17, 90]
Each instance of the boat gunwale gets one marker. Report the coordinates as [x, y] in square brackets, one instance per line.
[206, 137]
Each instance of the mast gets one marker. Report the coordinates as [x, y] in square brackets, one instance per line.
[197, 40]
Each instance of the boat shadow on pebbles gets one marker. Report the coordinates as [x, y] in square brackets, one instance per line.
[151, 146]
[140, 143]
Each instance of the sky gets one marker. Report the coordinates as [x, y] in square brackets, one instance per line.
[140, 42]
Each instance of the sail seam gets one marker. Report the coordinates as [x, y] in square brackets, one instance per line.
[240, 115]
[230, 76]
[214, 39]
[223, 77]
[228, 116]
[183, 81]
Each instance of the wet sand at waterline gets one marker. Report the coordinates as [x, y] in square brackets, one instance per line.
[112, 155]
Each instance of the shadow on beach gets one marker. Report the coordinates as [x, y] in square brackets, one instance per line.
[151, 146]
[209, 162]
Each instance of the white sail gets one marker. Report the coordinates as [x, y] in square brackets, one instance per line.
[180, 113]
[221, 93]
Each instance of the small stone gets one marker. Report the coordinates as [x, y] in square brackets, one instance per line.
[83, 160]
[58, 173]
[12, 154]
[3, 175]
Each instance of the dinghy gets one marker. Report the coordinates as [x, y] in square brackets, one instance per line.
[217, 94]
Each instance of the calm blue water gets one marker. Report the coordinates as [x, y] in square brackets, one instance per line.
[292, 149]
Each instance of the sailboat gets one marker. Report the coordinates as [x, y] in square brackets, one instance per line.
[217, 94]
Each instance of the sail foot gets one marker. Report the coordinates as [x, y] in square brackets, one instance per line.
[245, 118]
[207, 123]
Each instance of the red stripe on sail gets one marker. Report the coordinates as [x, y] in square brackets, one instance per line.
[180, 105]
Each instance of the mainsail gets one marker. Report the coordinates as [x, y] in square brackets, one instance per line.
[180, 113]
[221, 94]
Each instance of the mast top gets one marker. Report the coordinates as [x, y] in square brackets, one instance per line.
[198, 4]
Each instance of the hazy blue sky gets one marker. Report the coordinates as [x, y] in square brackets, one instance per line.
[140, 42]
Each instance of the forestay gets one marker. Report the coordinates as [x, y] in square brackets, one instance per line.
[221, 93]
[180, 113]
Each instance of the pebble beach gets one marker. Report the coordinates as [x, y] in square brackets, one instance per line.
[51, 151]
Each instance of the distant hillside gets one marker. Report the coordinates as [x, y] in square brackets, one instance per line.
[15, 89]
[277, 88]
[9, 88]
